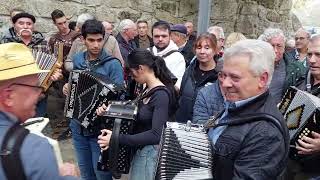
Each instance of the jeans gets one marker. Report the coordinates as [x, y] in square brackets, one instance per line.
[87, 152]
[144, 163]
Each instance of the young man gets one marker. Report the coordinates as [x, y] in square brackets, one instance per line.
[257, 146]
[168, 50]
[97, 60]
[143, 40]
[19, 94]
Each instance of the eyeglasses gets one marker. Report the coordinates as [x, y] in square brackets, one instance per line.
[38, 88]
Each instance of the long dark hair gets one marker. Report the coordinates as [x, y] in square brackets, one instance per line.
[144, 57]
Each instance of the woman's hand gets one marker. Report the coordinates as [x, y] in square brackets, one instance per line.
[101, 110]
[104, 139]
[308, 145]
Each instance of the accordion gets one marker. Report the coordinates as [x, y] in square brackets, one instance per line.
[48, 62]
[185, 153]
[119, 118]
[302, 114]
[88, 91]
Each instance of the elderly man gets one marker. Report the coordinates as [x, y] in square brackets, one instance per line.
[302, 37]
[127, 32]
[250, 138]
[179, 36]
[23, 24]
[108, 27]
[168, 50]
[218, 32]
[308, 167]
[287, 71]
[19, 93]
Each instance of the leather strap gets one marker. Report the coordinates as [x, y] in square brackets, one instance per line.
[114, 147]
[10, 152]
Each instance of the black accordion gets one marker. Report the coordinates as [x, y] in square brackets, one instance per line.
[88, 91]
[120, 117]
[185, 153]
[302, 115]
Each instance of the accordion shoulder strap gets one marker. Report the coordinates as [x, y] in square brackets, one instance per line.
[114, 146]
[10, 152]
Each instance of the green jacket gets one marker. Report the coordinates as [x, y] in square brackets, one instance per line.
[295, 72]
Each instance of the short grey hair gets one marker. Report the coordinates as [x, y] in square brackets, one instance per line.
[217, 29]
[125, 24]
[270, 33]
[315, 37]
[261, 56]
[83, 18]
[305, 31]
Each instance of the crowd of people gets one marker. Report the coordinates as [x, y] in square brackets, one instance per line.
[174, 74]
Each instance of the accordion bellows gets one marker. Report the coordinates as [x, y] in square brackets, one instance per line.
[185, 153]
[301, 113]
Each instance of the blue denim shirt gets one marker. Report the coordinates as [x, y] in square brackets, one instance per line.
[36, 154]
[214, 133]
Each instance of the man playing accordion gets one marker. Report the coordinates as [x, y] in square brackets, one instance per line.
[309, 146]
[249, 138]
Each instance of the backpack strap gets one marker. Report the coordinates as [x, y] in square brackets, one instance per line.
[10, 152]
[169, 53]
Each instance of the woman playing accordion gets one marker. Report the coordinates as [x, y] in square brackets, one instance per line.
[153, 112]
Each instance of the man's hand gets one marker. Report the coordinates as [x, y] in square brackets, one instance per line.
[56, 75]
[309, 145]
[68, 169]
[66, 89]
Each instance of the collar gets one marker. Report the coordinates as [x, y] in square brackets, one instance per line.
[7, 118]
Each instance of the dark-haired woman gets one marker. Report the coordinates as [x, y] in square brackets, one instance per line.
[152, 115]
[201, 72]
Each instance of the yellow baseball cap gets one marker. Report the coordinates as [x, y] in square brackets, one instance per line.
[16, 60]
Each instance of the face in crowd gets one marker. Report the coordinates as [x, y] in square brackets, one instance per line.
[189, 27]
[24, 108]
[205, 49]
[314, 57]
[131, 31]
[62, 24]
[237, 80]
[142, 29]
[24, 27]
[278, 44]
[161, 38]
[94, 43]
[301, 39]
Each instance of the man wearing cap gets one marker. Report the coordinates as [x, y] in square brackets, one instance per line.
[19, 94]
[179, 36]
[23, 24]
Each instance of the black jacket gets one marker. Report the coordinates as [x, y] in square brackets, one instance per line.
[189, 90]
[187, 52]
[255, 150]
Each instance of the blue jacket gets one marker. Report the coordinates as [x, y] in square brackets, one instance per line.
[105, 65]
[209, 102]
[188, 92]
[36, 154]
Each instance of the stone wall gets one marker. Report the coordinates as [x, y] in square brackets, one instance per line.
[247, 16]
